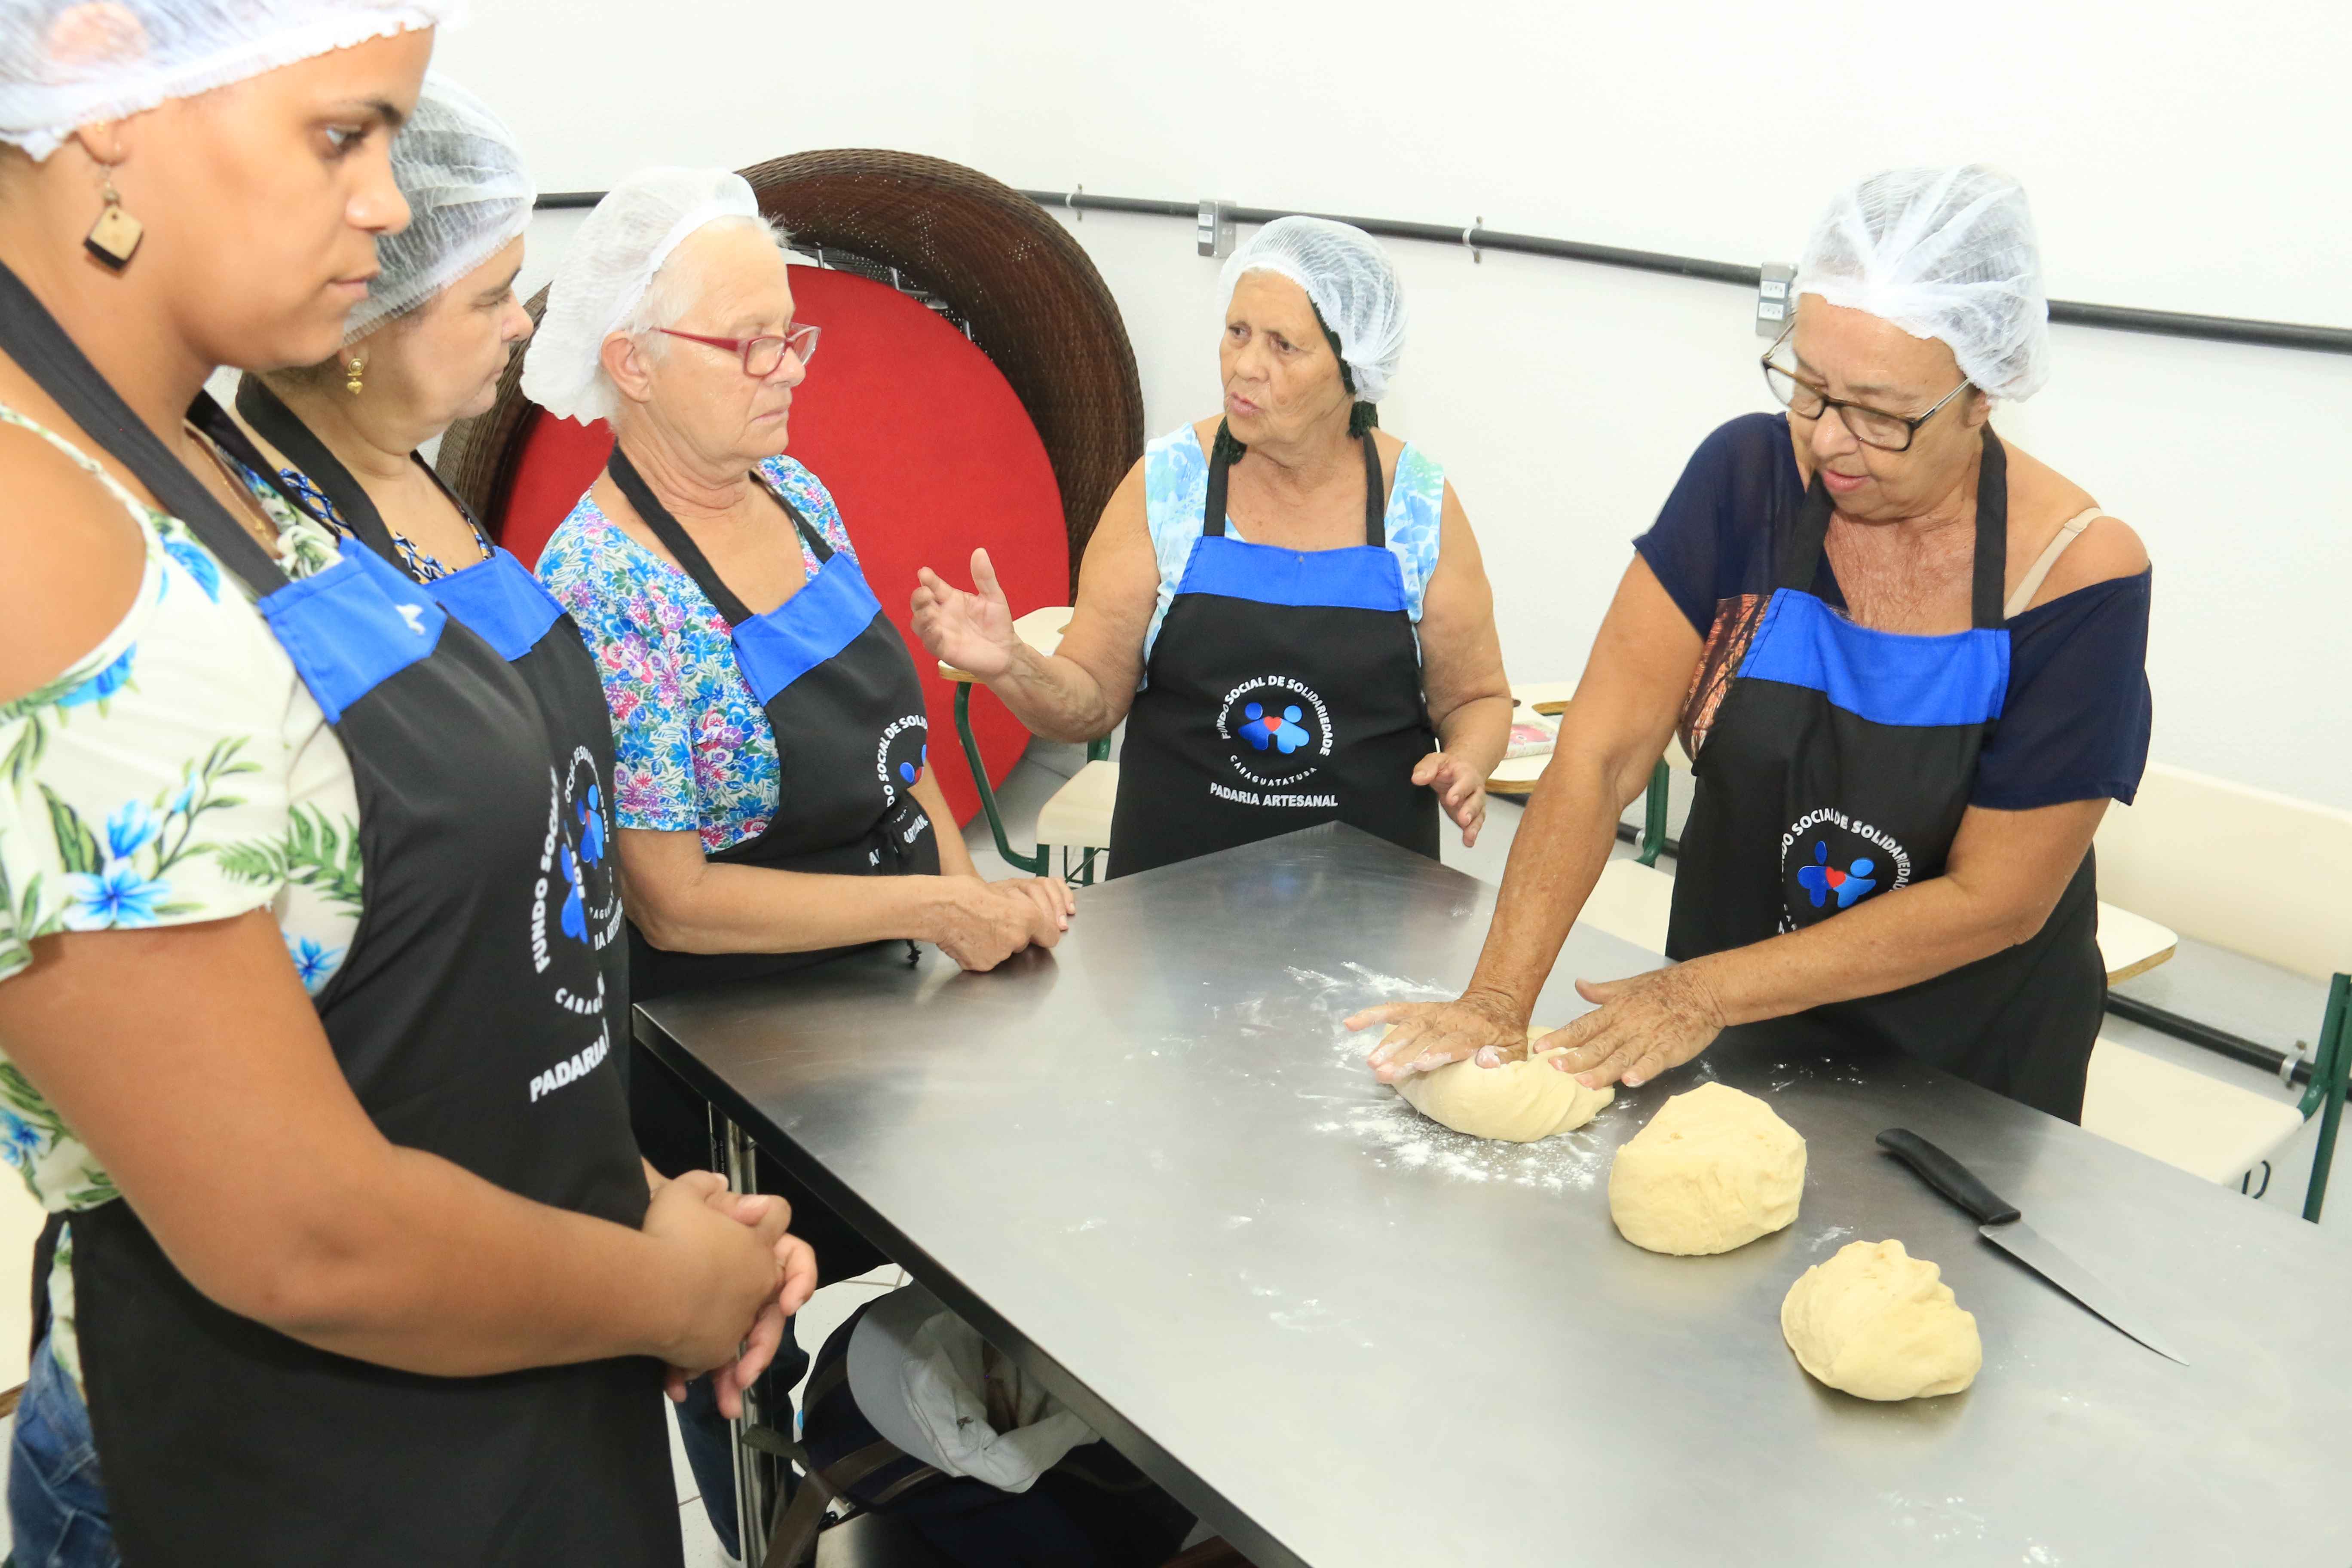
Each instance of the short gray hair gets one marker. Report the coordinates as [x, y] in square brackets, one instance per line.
[674, 288]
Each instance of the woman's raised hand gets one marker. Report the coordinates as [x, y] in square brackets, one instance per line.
[1461, 791]
[984, 923]
[971, 631]
[1427, 1036]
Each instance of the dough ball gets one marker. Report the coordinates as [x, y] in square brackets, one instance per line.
[1518, 1102]
[1880, 1324]
[1715, 1169]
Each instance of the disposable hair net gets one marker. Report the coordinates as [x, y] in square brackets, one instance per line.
[605, 273]
[468, 195]
[1941, 253]
[65, 63]
[1348, 275]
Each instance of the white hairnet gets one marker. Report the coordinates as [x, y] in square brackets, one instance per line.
[66, 63]
[1347, 274]
[468, 195]
[1941, 253]
[606, 271]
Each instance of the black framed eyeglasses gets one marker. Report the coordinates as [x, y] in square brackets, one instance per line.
[1871, 426]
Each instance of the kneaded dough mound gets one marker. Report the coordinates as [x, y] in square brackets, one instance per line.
[1715, 1169]
[1520, 1102]
[1882, 1324]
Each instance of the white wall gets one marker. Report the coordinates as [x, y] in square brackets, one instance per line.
[2180, 157]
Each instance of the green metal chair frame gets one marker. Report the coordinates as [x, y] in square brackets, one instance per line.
[1041, 863]
[1653, 816]
[2331, 1060]
[2331, 1064]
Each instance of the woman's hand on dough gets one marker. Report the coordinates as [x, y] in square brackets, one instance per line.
[1427, 1036]
[1643, 1026]
[1461, 791]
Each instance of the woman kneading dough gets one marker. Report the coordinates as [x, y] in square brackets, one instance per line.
[1285, 604]
[1907, 662]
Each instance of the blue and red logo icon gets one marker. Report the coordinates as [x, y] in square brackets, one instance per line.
[1267, 730]
[1824, 882]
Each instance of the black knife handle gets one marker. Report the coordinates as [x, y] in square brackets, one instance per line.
[1948, 1176]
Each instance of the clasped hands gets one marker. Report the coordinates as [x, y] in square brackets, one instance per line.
[733, 1360]
[1641, 1027]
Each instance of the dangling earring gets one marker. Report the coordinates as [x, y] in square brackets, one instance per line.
[356, 369]
[115, 237]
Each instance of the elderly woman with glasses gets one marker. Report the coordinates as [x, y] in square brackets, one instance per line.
[773, 803]
[1908, 661]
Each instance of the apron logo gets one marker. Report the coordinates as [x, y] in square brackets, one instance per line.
[414, 615]
[1280, 729]
[902, 755]
[1829, 862]
[577, 853]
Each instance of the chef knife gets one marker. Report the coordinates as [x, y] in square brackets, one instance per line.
[1999, 1222]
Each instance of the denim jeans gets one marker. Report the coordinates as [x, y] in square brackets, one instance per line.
[705, 1434]
[56, 1504]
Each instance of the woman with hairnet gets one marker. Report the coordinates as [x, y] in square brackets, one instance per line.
[1908, 661]
[752, 681]
[354, 1258]
[1286, 603]
[425, 350]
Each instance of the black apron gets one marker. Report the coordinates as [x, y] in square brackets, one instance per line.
[845, 707]
[1838, 768]
[1284, 691]
[459, 1019]
[512, 611]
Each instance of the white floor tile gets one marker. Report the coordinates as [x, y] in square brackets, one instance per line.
[702, 1548]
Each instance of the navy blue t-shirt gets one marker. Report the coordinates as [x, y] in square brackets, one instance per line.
[2074, 725]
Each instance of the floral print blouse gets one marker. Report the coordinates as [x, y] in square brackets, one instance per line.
[692, 745]
[178, 771]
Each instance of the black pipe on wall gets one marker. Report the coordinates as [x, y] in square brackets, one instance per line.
[2069, 312]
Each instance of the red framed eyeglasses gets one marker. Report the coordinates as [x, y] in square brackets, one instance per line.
[763, 357]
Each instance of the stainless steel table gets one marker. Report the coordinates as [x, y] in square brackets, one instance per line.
[1152, 1166]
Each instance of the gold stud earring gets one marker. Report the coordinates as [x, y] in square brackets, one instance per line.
[356, 369]
[115, 237]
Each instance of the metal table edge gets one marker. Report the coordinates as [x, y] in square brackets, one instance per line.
[1148, 1456]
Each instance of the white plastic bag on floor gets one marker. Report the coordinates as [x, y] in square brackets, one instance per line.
[931, 1385]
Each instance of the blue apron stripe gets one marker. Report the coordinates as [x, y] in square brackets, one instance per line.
[352, 626]
[1887, 677]
[504, 604]
[1360, 577]
[814, 624]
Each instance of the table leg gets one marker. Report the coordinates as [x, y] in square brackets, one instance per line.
[754, 1492]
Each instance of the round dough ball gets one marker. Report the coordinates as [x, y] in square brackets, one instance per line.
[1881, 1325]
[1520, 1102]
[1715, 1169]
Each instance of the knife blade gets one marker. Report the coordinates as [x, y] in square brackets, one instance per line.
[2000, 1223]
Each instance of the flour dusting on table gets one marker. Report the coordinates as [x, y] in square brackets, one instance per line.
[1398, 1136]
